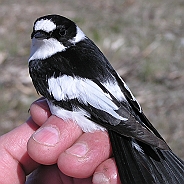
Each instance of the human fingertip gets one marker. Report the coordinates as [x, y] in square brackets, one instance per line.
[42, 103]
[106, 173]
[39, 111]
[100, 178]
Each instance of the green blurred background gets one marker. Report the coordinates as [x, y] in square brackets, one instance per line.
[144, 41]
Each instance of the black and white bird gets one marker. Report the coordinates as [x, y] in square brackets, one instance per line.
[79, 83]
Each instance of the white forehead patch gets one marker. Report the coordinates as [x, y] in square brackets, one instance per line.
[45, 25]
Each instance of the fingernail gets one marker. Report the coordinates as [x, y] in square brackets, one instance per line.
[78, 149]
[43, 104]
[100, 178]
[48, 136]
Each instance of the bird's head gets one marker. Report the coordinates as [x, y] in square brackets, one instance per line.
[52, 34]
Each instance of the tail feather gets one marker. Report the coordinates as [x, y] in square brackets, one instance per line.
[141, 163]
[126, 160]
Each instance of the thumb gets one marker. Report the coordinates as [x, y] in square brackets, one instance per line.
[15, 162]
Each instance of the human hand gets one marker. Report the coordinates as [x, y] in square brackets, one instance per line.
[66, 153]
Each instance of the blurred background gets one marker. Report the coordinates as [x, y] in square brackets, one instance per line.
[144, 41]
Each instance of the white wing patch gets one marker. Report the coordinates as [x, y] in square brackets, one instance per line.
[45, 25]
[42, 49]
[85, 90]
[115, 90]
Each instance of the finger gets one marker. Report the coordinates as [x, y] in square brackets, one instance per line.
[15, 163]
[106, 172]
[39, 111]
[82, 158]
[52, 138]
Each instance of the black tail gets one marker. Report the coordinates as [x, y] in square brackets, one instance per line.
[141, 164]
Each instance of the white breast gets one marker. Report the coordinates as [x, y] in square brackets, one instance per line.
[78, 116]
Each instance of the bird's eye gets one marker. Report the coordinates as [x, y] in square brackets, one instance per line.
[62, 32]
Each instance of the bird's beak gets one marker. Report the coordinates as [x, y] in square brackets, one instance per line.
[40, 35]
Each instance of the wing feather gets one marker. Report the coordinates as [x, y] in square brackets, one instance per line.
[103, 106]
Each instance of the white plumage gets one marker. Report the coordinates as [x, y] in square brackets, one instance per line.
[86, 91]
[45, 25]
[42, 49]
